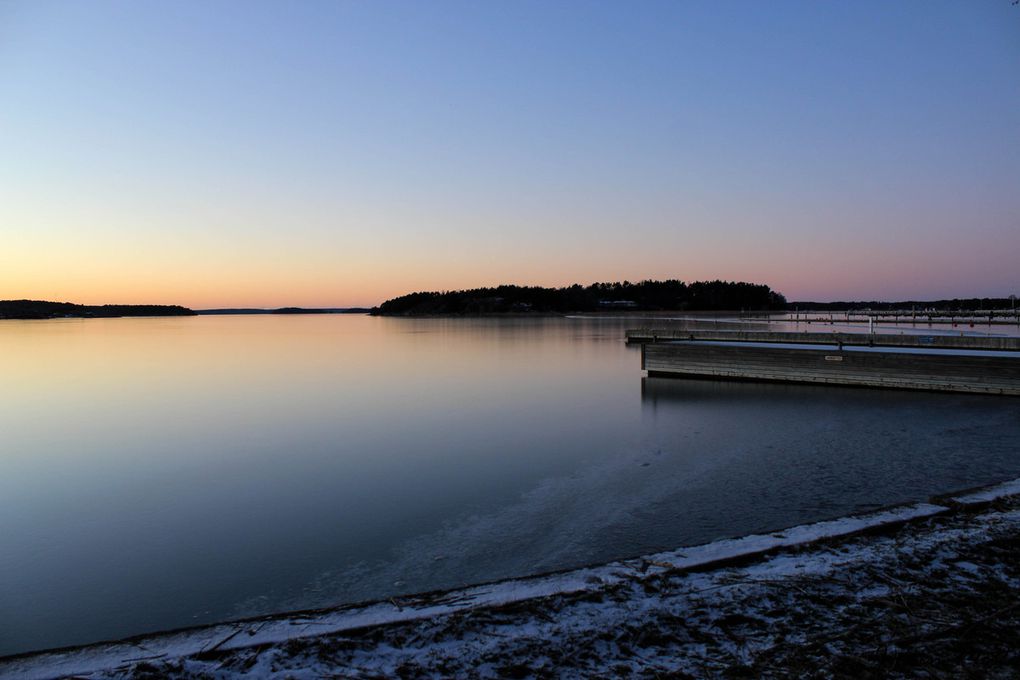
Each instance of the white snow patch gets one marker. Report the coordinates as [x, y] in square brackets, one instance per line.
[1010, 488]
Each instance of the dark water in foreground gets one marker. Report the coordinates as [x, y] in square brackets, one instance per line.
[159, 473]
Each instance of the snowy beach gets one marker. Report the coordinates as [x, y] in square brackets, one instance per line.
[926, 588]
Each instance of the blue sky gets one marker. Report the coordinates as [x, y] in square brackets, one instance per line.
[221, 153]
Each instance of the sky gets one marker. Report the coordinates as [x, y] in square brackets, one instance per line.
[337, 154]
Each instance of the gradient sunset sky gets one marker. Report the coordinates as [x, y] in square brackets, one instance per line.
[339, 153]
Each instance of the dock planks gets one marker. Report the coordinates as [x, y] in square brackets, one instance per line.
[791, 357]
[642, 335]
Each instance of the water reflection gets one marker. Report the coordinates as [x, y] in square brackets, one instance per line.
[165, 472]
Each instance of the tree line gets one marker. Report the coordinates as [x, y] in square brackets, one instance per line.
[955, 304]
[669, 295]
[40, 309]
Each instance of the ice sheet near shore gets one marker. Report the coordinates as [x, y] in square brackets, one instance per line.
[797, 599]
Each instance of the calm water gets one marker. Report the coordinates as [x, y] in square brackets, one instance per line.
[159, 473]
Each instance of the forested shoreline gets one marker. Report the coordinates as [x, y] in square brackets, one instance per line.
[669, 295]
[934, 305]
[41, 309]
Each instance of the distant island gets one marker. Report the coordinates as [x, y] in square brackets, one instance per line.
[286, 310]
[669, 295]
[40, 309]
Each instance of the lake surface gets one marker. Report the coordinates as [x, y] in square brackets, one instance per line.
[159, 473]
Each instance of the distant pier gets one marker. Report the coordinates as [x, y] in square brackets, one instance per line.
[913, 317]
[984, 365]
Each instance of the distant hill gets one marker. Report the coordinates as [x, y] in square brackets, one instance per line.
[39, 309]
[672, 295]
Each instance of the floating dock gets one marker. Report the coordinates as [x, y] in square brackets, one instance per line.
[984, 365]
[914, 317]
[945, 341]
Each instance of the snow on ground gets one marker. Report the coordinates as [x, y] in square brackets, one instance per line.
[927, 590]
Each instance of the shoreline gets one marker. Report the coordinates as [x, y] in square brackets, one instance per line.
[285, 634]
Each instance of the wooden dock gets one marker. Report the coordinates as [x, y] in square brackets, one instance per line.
[989, 342]
[971, 318]
[913, 317]
[983, 365]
